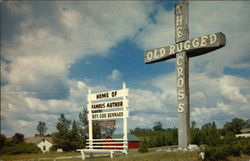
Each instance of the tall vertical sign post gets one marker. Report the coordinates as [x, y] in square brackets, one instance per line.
[182, 75]
[182, 50]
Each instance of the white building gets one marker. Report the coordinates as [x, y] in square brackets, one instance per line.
[44, 143]
[244, 133]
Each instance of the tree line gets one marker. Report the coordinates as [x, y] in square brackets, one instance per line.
[69, 135]
[158, 136]
[216, 143]
[16, 145]
[70, 139]
[72, 135]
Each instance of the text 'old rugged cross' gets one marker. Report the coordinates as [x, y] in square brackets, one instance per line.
[182, 50]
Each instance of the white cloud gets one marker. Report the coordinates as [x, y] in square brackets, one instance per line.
[235, 53]
[229, 90]
[219, 114]
[146, 107]
[115, 75]
[21, 113]
[40, 56]
[158, 34]
[208, 101]
[19, 8]
[4, 71]
[24, 123]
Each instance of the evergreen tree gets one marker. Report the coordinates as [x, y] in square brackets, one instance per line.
[143, 146]
[96, 130]
[193, 124]
[3, 140]
[175, 136]
[76, 140]
[83, 127]
[107, 131]
[140, 131]
[195, 134]
[247, 124]
[210, 134]
[41, 128]
[83, 116]
[159, 140]
[157, 126]
[17, 138]
[62, 136]
[235, 125]
[74, 130]
[205, 131]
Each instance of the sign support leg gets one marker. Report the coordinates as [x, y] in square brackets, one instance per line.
[125, 123]
[90, 128]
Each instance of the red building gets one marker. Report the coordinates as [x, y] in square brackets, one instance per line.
[133, 141]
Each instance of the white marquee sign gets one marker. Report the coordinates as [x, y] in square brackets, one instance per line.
[108, 95]
[108, 105]
[109, 115]
[100, 107]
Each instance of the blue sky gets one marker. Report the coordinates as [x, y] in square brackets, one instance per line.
[52, 52]
[126, 57]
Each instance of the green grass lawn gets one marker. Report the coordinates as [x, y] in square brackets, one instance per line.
[41, 156]
[133, 155]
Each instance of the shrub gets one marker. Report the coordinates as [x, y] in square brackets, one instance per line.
[143, 146]
[208, 152]
[53, 148]
[215, 153]
[235, 149]
[220, 152]
[225, 149]
[20, 148]
[246, 149]
[18, 138]
[143, 149]
[2, 140]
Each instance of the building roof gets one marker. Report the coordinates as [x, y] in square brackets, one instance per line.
[36, 140]
[130, 137]
[245, 130]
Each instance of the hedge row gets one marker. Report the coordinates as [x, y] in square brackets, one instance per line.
[20, 148]
[224, 150]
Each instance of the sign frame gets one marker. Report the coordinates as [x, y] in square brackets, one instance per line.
[118, 95]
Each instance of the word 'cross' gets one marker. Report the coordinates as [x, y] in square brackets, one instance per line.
[182, 50]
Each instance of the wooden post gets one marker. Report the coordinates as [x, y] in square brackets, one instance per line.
[182, 75]
[183, 104]
[90, 126]
[125, 122]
